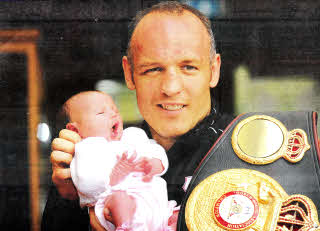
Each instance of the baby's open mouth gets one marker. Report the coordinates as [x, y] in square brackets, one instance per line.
[115, 130]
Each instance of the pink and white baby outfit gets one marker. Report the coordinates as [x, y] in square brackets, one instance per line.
[92, 165]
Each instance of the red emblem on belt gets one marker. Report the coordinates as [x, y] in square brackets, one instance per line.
[236, 210]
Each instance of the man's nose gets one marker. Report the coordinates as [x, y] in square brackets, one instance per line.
[171, 83]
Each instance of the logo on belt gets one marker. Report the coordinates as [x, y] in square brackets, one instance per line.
[262, 139]
[236, 210]
[243, 199]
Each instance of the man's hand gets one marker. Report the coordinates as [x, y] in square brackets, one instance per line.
[61, 157]
[94, 222]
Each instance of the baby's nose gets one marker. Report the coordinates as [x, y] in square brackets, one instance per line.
[113, 113]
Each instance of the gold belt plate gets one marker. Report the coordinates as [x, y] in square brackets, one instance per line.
[243, 199]
[262, 139]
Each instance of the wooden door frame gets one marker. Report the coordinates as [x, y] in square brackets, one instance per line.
[24, 42]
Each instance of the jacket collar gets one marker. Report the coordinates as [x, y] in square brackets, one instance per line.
[205, 128]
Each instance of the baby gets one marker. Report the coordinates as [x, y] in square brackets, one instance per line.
[116, 167]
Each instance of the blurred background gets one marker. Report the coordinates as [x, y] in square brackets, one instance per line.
[50, 50]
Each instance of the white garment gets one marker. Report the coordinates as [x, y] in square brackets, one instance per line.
[91, 167]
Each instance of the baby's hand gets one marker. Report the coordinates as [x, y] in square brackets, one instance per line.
[172, 221]
[125, 166]
[153, 166]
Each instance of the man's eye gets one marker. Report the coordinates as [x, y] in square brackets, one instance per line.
[189, 67]
[155, 69]
[100, 113]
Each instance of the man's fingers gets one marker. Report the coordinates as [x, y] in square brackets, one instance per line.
[63, 145]
[70, 136]
[61, 175]
[61, 159]
[67, 190]
[107, 214]
[66, 141]
[94, 222]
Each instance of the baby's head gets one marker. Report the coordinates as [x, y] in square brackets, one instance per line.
[93, 113]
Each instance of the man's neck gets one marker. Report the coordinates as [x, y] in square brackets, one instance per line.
[165, 142]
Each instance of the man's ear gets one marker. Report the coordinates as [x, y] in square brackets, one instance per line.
[73, 127]
[215, 70]
[127, 70]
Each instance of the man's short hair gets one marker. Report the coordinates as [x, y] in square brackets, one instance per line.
[170, 7]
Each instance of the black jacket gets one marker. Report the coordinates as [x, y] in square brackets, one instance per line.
[184, 157]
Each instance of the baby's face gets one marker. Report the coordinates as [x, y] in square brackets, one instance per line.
[96, 115]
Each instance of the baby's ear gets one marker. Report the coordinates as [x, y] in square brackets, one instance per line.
[73, 127]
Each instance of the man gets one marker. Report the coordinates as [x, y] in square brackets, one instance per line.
[172, 64]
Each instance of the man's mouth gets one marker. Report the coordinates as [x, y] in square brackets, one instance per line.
[171, 107]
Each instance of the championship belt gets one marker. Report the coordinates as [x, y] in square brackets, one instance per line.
[261, 174]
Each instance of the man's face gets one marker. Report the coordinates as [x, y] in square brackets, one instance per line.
[95, 114]
[172, 72]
